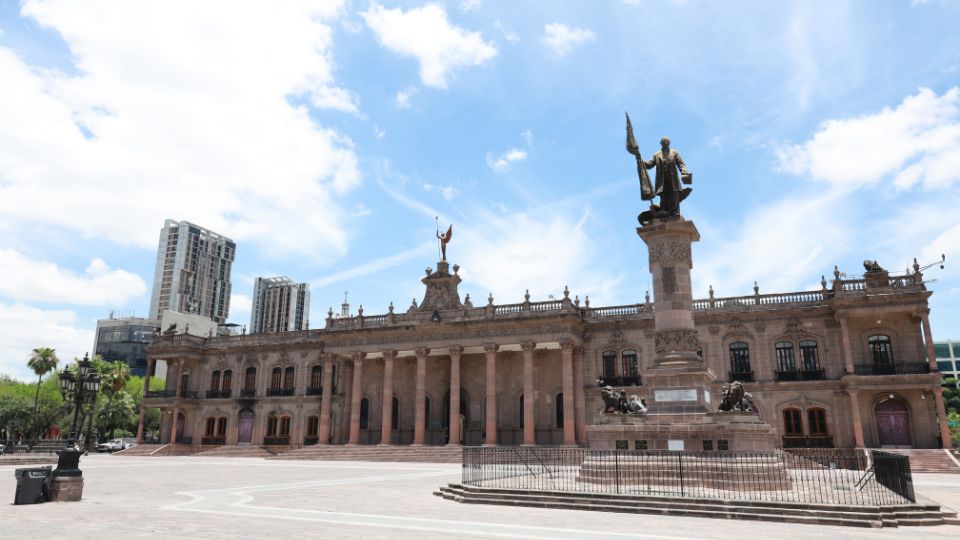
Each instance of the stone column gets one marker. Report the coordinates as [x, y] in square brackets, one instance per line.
[847, 349]
[928, 341]
[668, 243]
[942, 416]
[857, 423]
[569, 420]
[420, 397]
[490, 424]
[323, 435]
[178, 377]
[173, 425]
[355, 394]
[342, 427]
[453, 430]
[578, 394]
[387, 410]
[143, 407]
[529, 422]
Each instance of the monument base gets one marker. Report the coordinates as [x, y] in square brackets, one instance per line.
[66, 488]
[691, 432]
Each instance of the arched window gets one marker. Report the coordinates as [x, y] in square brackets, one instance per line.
[185, 381]
[809, 358]
[629, 367]
[740, 362]
[817, 422]
[559, 413]
[284, 426]
[785, 357]
[250, 380]
[609, 365]
[881, 351]
[792, 422]
[227, 381]
[364, 413]
[313, 426]
[316, 376]
[222, 426]
[215, 381]
[271, 426]
[211, 426]
[395, 414]
[275, 378]
[288, 378]
[521, 411]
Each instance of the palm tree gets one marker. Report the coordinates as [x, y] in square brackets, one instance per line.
[42, 360]
[116, 376]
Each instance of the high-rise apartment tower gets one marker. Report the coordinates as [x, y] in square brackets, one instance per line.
[193, 272]
[279, 305]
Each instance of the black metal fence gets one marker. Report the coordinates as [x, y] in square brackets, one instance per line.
[40, 446]
[829, 476]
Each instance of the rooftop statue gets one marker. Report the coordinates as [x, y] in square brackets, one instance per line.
[444, 240]
[671, 174]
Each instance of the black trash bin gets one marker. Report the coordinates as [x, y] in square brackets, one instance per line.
[32, 485]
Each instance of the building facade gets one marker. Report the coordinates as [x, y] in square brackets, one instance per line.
[279, 305]
[192, 273]
[849, 365]
[125, 339]
[948, 359]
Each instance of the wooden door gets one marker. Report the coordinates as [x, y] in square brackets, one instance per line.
[893, 423]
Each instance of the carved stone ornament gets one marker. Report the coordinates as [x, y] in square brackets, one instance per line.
[794, 326]
[676, 340]
[670, 252]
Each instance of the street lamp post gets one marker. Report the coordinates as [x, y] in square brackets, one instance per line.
[76, 388]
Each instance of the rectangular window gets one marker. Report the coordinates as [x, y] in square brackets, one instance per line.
[285, 426]
[316, 376]
[211, 426]
[272, 426]
[792, 423]
[222, 426]
[785, 357]
[945, 365]
[817, 419]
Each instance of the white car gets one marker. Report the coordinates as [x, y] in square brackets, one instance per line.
[114, 445]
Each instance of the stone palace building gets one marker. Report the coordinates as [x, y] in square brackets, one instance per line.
[849, 365]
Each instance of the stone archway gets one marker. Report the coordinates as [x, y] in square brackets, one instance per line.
[245, 427]
[893, 423]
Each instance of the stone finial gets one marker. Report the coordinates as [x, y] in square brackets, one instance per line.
[566, 291]
[413, 304]
[490, 299]
[586, 301]
[360, 311]
[646, 297]
[756, 288]
[916, 266]
[467, 303]
[836, 272]
[711, 292]
[576, 300]
[390, 308]
[526, 296]
[428, 270]
[456, 268]
[330, 313]
[823, 282]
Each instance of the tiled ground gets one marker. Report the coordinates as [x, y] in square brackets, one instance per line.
[191, 497]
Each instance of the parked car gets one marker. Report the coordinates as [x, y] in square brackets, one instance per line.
[114, 445]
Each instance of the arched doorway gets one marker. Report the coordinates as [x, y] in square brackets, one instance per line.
[181, 423]
[245, 427]
[893, 423]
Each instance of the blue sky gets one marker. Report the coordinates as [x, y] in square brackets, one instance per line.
[325, 137]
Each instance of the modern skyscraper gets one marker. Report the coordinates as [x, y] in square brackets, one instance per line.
[193, 272]
[125, 339]
[279, 305]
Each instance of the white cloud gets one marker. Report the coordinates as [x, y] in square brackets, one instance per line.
[448, 192]
[403, 97]
[240, 308]
[507, 33]
[467, 6]
[502, 163]
[916, 142]
[374, 266]
[25, 279]
[527, 137]
[378, 132]
[561, 39]
[361, 211]
[195, 123]
[24, 328]
[426, 34]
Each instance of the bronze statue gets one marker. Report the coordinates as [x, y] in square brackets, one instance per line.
[616, 402]
[872, 266]
[444, 240]
[671, 174]
[735, 398]
[636, 405]
[611, 400]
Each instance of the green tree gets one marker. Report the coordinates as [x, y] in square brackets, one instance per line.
[42, 360]
[117, 412]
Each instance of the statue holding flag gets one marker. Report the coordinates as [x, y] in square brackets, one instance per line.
[671, 174]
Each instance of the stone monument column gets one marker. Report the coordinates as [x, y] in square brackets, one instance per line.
[420, 396]
[386, 417]
[454, 423]
[668, 242]
[355, 396]
[326, 381]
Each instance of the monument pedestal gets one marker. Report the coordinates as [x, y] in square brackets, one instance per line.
[735, 431]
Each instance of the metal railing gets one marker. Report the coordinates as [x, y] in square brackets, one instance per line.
[626, 380]
[276, 441]
[218, 394]
[824, 476]
[213, 441]
[801, 375]
[742, 376]
[800, 441]
[892, 368]
[279, 392]
[161, 393]
[248, 393]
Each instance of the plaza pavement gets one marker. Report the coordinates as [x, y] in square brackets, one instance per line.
[196, 497]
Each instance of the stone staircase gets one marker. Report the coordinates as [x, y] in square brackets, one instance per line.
[425, 454]
[141, 450]
[930, 460]
[921, 514]
[233, 450]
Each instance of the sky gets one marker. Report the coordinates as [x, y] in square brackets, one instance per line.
[328, 139]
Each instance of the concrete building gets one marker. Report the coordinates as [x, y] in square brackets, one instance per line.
[948, 359]
[125, 339]
[848, 365]
[279, 305]
[192, 273]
